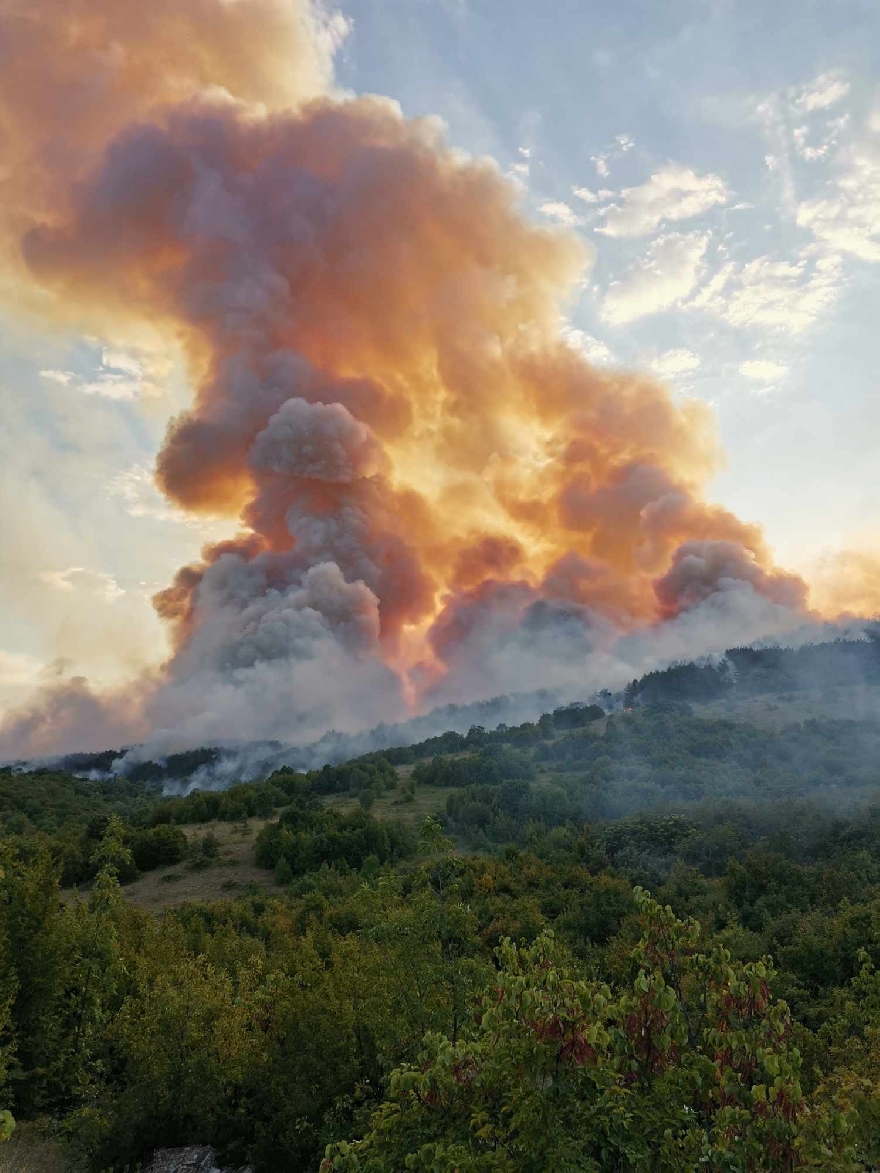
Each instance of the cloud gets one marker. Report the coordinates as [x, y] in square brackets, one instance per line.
[779, 111]
[672, 193]
[775, 120]
[593, 349]
[118, 360]
[827, 137]
[848, 219]
[825, 91]
[774, 294]
[76, 577]
[62, 377]
[521, 169]
[762, 370]
[562, 213]
[669, 272]
[120, 376]
[594, 199]
[678, 361]
[620, 146]
[136, 488]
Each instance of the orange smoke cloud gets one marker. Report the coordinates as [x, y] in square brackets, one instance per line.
[383, 396]
[73, 73]
[848, 583]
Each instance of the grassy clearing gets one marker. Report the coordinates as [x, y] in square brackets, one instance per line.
[231, 874]
[31, 1150]
[429, 800]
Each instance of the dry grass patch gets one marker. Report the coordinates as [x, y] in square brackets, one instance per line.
[232, 873]
[31, 1150]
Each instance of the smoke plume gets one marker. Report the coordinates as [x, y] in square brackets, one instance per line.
[437, 497]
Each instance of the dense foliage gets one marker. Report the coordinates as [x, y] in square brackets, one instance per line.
[760, 671]
[689, 1064]
[48, 800]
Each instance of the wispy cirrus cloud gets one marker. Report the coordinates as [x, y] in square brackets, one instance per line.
[120, 376]
[671, 269]
[592, 197]
[675, 362]
[672, 193]
[826, 90]
[774, 294]
[814, 143]
[559, 211]
[846, 216]
[602, 161]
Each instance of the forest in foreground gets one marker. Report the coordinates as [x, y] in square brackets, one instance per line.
[639, 942]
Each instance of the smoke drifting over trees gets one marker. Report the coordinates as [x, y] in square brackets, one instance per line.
[437, 497]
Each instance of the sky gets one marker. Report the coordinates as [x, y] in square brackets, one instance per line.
[721, 160]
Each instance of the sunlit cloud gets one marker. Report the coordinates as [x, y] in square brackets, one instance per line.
[120, 376]
[75, 578]
[774, 294]
[593, 349]
[825, 91]
[560, 212]
[675, 362]
[848, 217]
[763, 370]
[672, 193]
[668, 273]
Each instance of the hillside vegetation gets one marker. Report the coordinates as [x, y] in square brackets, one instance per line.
[638, 942]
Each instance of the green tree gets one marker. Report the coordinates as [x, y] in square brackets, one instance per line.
[432, 841]
[95, 971]
[690, 1066]
[34, 968]
[8, 985]
[852, 1037]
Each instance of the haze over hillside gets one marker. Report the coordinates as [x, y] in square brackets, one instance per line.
[771, 685]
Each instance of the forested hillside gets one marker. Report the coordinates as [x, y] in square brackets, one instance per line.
[772, 685]
[643, 941]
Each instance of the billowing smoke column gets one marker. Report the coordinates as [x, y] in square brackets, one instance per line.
[438, 496]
